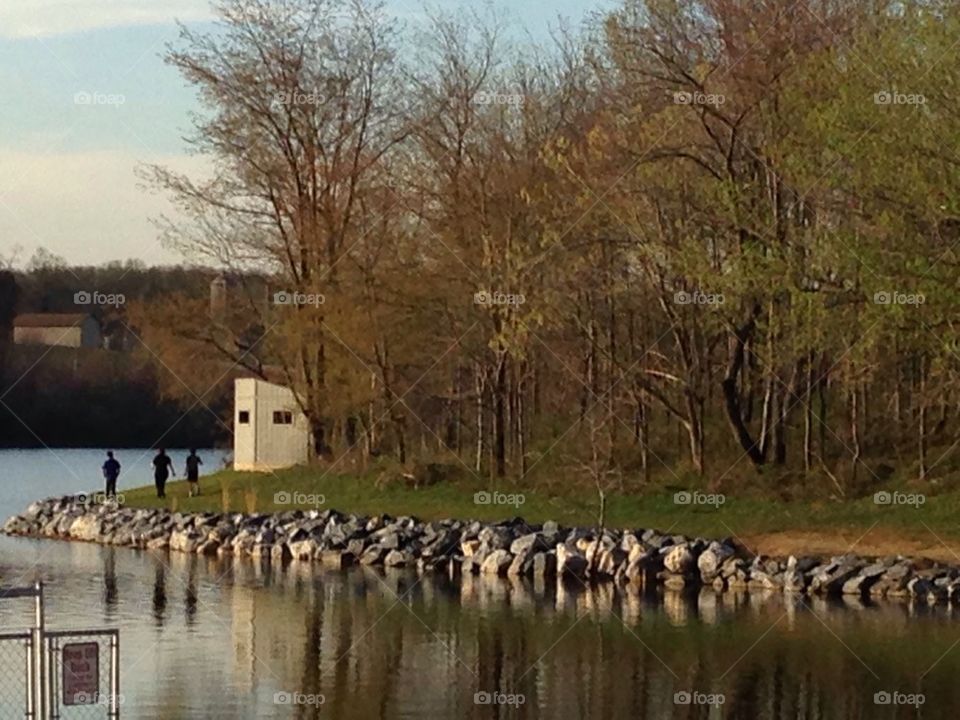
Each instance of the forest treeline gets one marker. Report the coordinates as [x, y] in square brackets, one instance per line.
[692, 237]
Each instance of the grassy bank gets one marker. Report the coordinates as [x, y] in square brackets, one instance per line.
[764, 523]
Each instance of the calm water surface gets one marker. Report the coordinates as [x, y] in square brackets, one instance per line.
[203, 638]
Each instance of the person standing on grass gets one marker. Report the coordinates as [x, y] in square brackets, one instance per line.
[162, 469]
[193, 472]
[111, 471]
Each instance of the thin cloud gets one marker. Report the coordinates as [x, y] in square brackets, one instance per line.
[46, 18]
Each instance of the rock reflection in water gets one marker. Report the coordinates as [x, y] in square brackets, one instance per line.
[410, 646]
[228, 635]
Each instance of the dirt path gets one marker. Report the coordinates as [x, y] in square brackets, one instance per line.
[874, 542]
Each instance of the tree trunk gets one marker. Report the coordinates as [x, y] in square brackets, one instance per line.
[479, 388]
[731, 391]
[499, 420]
[855, 429]
[521, 429]
[922, 421]
[318, 431]
[822, 386]
[808, 415]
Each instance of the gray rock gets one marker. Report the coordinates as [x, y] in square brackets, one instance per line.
[522, 565]
[545, 564]
[396, 558]
[831, 578]
[712, 559]
[306, 549]
[679, 560]
[531, 542]
[497, 562]
[570, 562]
[373, 555]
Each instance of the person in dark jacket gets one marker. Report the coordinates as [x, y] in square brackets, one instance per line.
[193, 472]
[111, 471]
[162, 469]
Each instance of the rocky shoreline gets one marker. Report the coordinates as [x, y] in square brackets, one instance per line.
[639, 558]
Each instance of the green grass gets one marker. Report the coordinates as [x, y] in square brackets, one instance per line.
[740, 515]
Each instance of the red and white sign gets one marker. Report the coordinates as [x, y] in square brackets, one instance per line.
[81, 673]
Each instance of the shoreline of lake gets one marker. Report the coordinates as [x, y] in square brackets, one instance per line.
[636, 559]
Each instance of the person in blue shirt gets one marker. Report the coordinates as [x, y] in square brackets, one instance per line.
[111, 471]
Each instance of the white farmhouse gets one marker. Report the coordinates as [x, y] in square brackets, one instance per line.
[270, 431]
[76, 330]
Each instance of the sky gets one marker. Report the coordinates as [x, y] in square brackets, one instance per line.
[85, 98]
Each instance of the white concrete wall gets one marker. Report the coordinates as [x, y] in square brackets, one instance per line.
[244, 435]
[263, 444]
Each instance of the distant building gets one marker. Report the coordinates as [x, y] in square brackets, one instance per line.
[270, 431]
[76, 330]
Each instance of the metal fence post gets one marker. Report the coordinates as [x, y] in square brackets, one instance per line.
[39, 654]
[53, 648]
[31, 679]
[115, 674]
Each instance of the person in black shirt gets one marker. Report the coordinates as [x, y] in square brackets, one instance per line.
[162, 469]
[111, 471]
[193, 472]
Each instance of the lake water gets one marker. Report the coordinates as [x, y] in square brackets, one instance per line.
[203, 638]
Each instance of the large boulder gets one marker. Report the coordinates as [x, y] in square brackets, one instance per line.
[373, 555]
[531, 542]
[497, 563]
[712, 559]
[397, 558]
[545, 564]
[570, 562]
[86, 527]
[829, 579]
[679, 560]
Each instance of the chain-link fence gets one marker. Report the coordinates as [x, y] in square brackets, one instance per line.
[83, 674]
[53, 674]
[15, 675]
